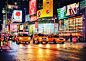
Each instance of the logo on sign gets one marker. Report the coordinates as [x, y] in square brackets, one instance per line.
[47, 11]
[39, 13]
[17, 14]
[47, 1]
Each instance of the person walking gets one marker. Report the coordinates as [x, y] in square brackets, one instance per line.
[70, 37]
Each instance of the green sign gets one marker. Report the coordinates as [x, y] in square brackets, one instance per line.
[61, 12]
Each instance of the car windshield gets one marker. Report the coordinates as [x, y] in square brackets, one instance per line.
[10, 36]
[41, 35]
[55, 36]
[23, 35]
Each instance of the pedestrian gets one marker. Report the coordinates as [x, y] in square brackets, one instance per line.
[70, 37]
[31, 36]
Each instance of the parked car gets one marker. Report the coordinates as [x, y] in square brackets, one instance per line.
[23, 38]
[39, 38]
[55, 39]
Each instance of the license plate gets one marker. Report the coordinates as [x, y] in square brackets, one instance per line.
[44, 39]
[25, 40]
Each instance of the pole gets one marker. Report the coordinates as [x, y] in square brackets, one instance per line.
[6, 12]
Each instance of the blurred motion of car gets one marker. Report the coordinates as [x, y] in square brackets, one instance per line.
[55, 38]
[40, 38]
[23, 38]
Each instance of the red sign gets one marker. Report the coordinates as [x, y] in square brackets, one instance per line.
[23, 29]
[55, 25]
[18, 13]
[33, 18]
[36, 24]
[8, 28]
[32, 7]
[74, 39]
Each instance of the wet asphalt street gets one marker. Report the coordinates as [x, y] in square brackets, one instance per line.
[42, 52]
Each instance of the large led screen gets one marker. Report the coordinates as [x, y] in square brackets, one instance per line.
[61, 12]
[47, 8]
[13, 27]
[39, 13]
[72, 9]
[32, 7]
[27, 18]
[17, 16]
[32, 29]
[21, 27]
[82, 4]
[47, 28]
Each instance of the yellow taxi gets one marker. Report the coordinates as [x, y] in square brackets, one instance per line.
[56, 38]
[39, 38]
[23, 38]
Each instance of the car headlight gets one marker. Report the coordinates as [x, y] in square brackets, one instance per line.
[40, 38]
[29, 38]
[46, 38]
[57, 39]
[20, 38]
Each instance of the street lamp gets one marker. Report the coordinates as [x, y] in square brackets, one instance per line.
[6, 12]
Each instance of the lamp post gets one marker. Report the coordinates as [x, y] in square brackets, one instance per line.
[6, 12]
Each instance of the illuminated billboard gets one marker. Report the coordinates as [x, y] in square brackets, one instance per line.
[39, 13]
[27, 18]
[17, 16]
[33, 18]
[47, 8]
[21, 27]
[61, 12]
[13, 27]
[72, 9]
[32, 7]
[82, 4]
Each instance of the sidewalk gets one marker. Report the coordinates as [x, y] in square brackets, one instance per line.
[81, 44]
[4, 47]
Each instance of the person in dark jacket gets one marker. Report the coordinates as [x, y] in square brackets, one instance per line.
[31, 36]
[70, 37]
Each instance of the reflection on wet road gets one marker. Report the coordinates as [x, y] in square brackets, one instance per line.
[43, 52]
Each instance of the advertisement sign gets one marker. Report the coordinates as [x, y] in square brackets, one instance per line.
[55, 25]
[8, 29]
[12, 6]
[32, 29]
[33, 18]
[32, 7]
[46, 28]
[72, 9]
[27, 18]
[36, 24]
[47, 8]
[13, 27]
[21, 27]
[3, 10]
[17, 16]
[39, 13]
[61, 12]
[82, 4]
